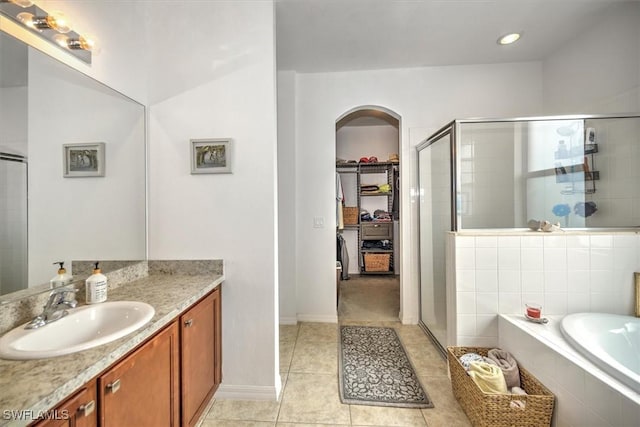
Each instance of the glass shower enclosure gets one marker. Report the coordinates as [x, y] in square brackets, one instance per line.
[13, 222]
[578, 172]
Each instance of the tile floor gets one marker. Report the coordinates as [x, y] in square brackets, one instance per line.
[309, 366]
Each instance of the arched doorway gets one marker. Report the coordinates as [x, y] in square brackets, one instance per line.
[367, 192]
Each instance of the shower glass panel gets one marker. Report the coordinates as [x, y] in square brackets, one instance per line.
[13, 223]
[580, 172]
[435, 220]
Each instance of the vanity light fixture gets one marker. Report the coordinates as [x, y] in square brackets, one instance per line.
[509, 38]
[53, 27]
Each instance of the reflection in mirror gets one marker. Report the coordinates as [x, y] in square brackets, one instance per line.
[45, 104]
[578, 172]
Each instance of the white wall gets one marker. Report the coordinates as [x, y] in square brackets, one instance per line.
[286, 203]
[230, 216]
[13, 120]
[597, 72]
[426, 99]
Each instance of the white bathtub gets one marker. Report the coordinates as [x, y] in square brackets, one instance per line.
[610, 341]
[586, 395]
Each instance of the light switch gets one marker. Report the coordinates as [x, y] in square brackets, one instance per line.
[318, 222]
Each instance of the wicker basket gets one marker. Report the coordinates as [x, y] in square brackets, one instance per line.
[376, 262]
[350, 215]
[496, 410]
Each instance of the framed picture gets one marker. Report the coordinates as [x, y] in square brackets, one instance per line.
[211, 155]
[81, 160]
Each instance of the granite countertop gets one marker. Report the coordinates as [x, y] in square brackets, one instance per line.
[38, 385]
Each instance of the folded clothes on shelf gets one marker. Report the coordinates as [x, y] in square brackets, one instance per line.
[376, 244]
[384, 188]
[365, 216]
[380, 215]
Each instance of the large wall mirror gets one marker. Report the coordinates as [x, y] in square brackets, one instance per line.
[46, 216]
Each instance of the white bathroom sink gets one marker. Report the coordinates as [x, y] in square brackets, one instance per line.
[83, 328]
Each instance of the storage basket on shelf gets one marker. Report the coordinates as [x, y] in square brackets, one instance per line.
[350, 215]
[376, 262]
[496, 410]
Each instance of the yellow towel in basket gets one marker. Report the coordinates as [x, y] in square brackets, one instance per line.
[489, 378]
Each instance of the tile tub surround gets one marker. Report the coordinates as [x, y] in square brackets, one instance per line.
[38, 385]
[585, 395]
[498, 271]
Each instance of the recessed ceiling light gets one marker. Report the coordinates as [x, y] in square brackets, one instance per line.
[509, 38]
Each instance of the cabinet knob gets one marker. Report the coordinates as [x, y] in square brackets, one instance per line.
[87, 408]
[114, 386]
[188, 323]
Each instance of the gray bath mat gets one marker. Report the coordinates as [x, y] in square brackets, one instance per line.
[374, 369]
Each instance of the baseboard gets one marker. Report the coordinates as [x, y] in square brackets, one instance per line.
[248, 392]
[409, 321]
[318, 318]
[288, 320]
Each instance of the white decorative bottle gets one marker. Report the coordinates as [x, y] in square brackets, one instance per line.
[62, 278]
[96, 287]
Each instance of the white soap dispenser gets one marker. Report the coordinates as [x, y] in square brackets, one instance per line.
[62, 278]
[96, 287]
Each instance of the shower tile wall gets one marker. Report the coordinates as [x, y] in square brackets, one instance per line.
[565, 272]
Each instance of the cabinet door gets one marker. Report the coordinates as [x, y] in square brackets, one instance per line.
[80, 410]
[142, 389]
[200, 361]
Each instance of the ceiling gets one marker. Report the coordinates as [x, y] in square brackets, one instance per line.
[345, 35]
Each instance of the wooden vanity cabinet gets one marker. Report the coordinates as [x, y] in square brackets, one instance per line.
[200, 362]
[80, 410]
[167, 381]
[143, 388]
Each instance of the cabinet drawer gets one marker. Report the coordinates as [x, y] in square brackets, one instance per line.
[377, 231]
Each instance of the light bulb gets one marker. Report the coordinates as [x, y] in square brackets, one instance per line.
[55, 21]
[86, 42]
[58, 21]
[61, 40]
[22, 3]
[27, 19]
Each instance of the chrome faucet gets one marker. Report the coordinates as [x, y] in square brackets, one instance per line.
[55, 308]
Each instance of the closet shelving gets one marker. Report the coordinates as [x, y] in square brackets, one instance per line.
[374, 238]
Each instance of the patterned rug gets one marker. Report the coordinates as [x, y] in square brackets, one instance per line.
[374, 369]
